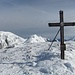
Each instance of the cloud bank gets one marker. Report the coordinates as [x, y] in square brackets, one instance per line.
[27, 17]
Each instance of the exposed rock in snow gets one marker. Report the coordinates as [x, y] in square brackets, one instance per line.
[35, 39]
[8, 39]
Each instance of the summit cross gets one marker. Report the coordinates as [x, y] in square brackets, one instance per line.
[61, 24]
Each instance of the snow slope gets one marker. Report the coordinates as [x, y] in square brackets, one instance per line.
[35, 39]
[36, 59]
[12, 39]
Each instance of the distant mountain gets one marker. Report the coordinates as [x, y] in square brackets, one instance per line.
[35, 39]
[8, 39]
[72, 38]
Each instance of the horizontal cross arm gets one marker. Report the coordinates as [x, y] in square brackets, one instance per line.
[65, 24]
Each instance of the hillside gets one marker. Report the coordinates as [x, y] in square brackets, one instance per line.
[8, 39]
[30, 58]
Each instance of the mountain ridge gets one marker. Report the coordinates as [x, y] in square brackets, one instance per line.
[34, 58]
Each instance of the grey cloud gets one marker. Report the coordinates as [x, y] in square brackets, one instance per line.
[32, 17]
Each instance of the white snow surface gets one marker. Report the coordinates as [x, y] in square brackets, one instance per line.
[12, 39]
[36, 59]
[35, 39]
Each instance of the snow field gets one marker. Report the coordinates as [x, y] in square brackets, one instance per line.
[32, 57]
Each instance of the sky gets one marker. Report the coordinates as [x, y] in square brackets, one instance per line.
[28, 17]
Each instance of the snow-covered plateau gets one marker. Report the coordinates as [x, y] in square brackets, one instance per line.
[31, 56]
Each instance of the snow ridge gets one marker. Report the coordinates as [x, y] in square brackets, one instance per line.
[35, 39]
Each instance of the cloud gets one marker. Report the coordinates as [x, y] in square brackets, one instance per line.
[26, 17]
[23, 19]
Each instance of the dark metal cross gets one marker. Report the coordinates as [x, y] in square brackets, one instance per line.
[62, 24]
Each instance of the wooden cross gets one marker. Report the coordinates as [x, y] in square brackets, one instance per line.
[62, 24]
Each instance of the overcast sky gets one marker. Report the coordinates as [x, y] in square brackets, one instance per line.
[27, 17]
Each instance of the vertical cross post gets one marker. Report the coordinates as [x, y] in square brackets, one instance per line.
[62, 45]
[61, 25]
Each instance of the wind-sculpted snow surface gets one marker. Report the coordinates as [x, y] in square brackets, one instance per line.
[36, 59]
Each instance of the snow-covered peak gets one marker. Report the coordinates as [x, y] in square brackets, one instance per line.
[71, 39]
[35, 39]
[9, 39]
